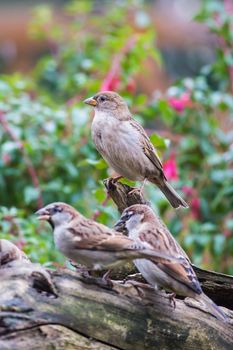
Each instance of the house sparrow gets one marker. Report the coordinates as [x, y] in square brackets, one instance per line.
[124, 144]
[92, 244]
[10, 253]
[142, 224]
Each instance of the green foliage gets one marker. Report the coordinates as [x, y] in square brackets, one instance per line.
[23, 230]
[45, 128]
[84, 46]
[205, 151]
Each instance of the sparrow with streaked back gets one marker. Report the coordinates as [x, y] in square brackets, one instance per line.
[10, 253]
[124, 144]
[142, 224]
[92, 244]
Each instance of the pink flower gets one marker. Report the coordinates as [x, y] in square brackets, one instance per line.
[189, 191]
[6, 158]
[21, 243]
[180, 103]
[195, 202]
[170, 168]
[131, 85]
[110, 83]
[227, 232]
[195, 207]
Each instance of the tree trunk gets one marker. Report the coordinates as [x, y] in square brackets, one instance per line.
[42, 309]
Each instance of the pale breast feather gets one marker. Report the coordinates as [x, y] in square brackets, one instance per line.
[119, 145]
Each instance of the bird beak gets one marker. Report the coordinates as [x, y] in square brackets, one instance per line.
[90, 101]
[120, 225]
[43, 214]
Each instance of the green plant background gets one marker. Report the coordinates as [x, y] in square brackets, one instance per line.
[45, 128]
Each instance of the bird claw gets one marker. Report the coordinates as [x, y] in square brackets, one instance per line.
[80, 269]
[172, 300]
[106, 278]
[85, 273]
[140, 189]
[134, 190]
[139, 286]
[115, 179]
[135, 275]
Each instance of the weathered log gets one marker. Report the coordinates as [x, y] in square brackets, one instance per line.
[217, 286]
[41, 309]
[62, 310]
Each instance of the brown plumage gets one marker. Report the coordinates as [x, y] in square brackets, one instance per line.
[142, 224]
[9, 253]
[124, 144]
[93, 244]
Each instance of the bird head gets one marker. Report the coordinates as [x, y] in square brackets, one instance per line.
[9, 252]
[57, 213]
[108, 101]
[134, 216]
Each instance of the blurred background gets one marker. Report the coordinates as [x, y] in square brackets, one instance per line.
[172, 60]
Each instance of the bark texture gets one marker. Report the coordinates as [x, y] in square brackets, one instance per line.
[62, 310]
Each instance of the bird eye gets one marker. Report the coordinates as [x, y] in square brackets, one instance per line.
[57, 210]
[103, 98]
[128, 215]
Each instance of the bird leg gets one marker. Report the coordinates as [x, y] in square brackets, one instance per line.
[134, 190]
[169, 296]
[139, 286]
[85, 273]
[134, 275]
[142, 186]
[140, 189]
[105, 277]
[172, 300]
[83, 270]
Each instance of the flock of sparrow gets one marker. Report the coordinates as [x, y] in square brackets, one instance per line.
[123, 143]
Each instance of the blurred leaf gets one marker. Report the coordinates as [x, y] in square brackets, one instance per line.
[98, 164]
[30, 194]
[219, 241]
[159, 142]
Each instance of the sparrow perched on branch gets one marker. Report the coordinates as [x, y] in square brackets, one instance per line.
[10, 253]
[92, 244]
[142, 224]
[124, 144]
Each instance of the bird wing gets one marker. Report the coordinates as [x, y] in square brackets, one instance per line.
[95, 236]
[161, 239]
[147, 146]
[129, 249]
[9, 252]
[184, 273]
[5, 258]
[88, 234]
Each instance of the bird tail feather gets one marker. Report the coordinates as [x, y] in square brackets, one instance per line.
[213, 309]
[173, 197]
